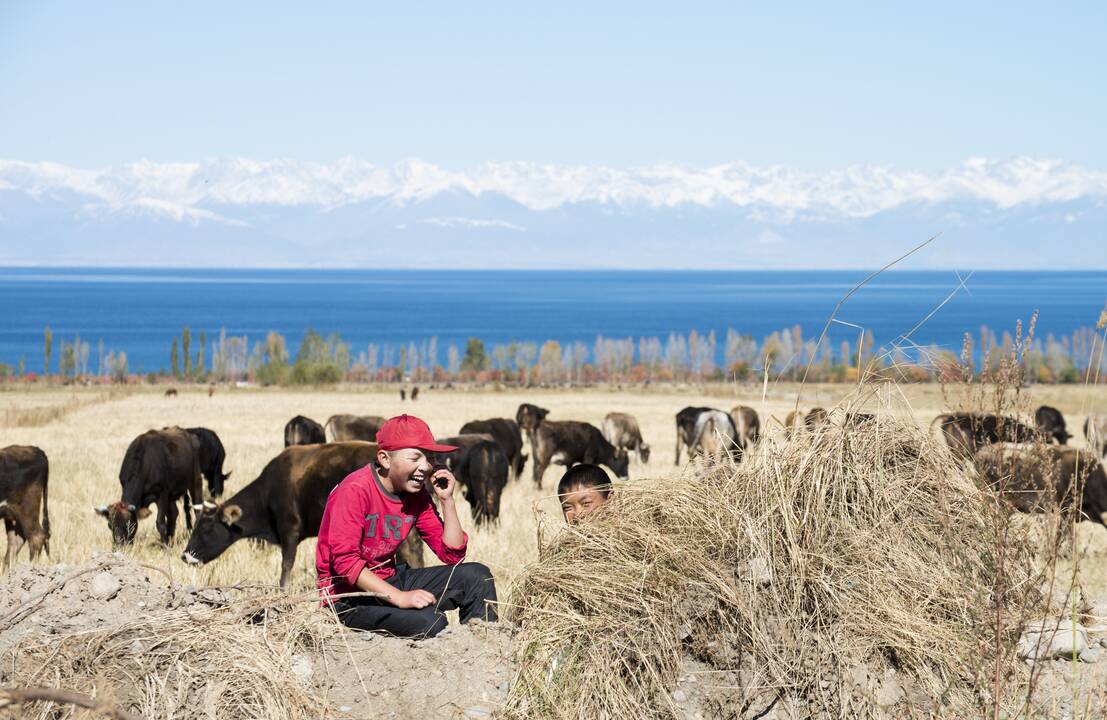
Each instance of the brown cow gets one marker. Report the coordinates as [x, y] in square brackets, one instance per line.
[283, 506]
[24, 472]
[1035, 477]
[570, 442]
[529, 418]
[621, 430]
[748, 425]
[354, 427]
[967, 432]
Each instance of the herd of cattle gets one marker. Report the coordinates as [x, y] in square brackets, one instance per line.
[285, 503]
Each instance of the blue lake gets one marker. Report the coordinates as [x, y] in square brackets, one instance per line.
[140, 310]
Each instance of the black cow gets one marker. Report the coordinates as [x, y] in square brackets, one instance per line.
[967, 432]
[686, 429]
[507, 436]
[282, 506]
[210, 455]
[621, 430]
[529, 417]
[302, 430]
[160, 466]
[24, 472]
[480, 466]
[1051, 424]
[1034, 477]
[354, 427]
[569, 442]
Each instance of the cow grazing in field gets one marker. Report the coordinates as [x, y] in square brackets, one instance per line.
[967, 432]
[1051, 424]
[686, 429]
[210, 455]
[481, 467]
[714, 434]
[570, 442]
[171, 392]
[1095, 430]
[529, 417]
[507, 436]
[160, 466]
[621, 430]
[354, 427]
[24, 472]
[302, 430]
[747, 424]
[403, 394]
[415, 393]
[283, 506]
[1035, 477]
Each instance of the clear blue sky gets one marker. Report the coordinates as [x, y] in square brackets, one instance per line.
[817, 86]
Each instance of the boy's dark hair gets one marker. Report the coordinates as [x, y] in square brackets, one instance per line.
[585, 476]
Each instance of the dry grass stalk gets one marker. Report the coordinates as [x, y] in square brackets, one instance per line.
[234, 661]
[838, 551]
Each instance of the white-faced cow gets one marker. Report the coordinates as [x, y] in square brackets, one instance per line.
[570, 442]
[302, 430]
[162, 467]
[1034, 478]
[481, 467]
[506, 434]
[354, 427]
[24, 472]
[283, 506]
[621, 430]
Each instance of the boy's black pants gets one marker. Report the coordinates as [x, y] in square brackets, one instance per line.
[467, 587]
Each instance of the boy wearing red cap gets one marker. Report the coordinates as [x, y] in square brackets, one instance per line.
[367, 517]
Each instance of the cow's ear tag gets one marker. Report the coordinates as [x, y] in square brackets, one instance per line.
[232, 514]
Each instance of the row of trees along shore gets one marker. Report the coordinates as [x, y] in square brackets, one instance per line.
[785, 354]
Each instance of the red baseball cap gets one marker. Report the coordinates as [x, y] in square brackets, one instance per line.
[408, 431]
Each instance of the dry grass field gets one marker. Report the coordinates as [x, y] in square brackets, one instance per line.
[85, 432]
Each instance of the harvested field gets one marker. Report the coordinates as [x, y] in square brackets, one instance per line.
[86, 445]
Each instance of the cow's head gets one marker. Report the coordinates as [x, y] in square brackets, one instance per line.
[620, 463]
[530, 416]
[216, 529]
[123, 520]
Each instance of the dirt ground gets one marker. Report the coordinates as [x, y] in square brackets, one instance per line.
[464, 673]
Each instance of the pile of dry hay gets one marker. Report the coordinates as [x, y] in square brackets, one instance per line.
[232, 661]
[811, 564]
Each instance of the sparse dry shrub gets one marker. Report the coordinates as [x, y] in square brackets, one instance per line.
[840, 554]
[233, 661]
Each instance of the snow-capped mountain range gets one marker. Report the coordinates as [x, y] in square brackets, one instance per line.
[1020, 213]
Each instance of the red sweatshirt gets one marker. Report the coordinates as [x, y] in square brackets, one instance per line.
[364, 523]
